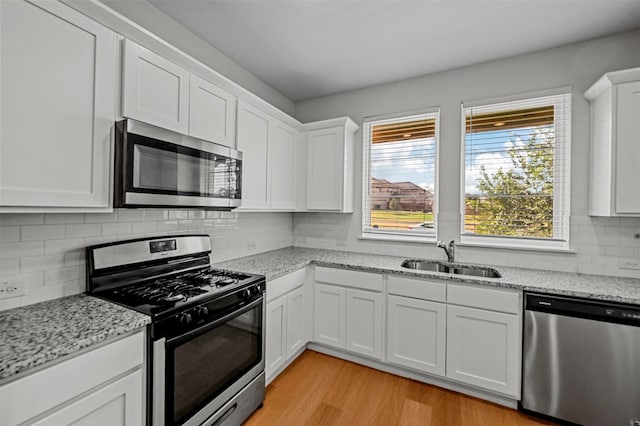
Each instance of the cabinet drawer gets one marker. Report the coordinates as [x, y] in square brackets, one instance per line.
[357, 279]
[22, 399]
[501, 300]
[417, 289]
[285, 284]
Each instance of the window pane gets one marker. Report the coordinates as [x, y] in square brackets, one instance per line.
[401, 177]
[512, 172]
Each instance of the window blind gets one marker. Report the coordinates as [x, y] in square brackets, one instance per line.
[399, 174]
[516, 174]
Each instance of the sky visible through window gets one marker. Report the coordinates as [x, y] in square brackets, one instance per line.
[413, 161]
[405, 161]
[491, 150]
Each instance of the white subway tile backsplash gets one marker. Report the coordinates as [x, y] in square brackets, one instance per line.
[131, 215]
[9, 234]
[42, 232]
[155, 215]
[117, 228]
[178, 214]
[41, 263]
[167, 225]
[84, 230]
[21, 249]
[100, 217]
[9, 266]
[63, 218]
[61, 275]
[63, 245]
[143, 227]
[7, 219]
[52, 263]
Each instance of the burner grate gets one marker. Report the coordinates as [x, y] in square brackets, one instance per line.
[160, 292]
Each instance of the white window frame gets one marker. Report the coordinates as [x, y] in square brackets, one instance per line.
[561, 193]
[398, 236]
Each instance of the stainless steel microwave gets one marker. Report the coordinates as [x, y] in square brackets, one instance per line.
[155, 167]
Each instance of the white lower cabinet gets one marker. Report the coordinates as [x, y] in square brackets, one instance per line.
[349, 318]
[330, 315]
[416, 334]
[287, 319]
[276, 348]
[484, 346]
[101, 387]
[296, 335]
[117, 404]
[364, 323]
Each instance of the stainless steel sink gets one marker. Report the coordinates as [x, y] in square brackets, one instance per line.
[425, 265]
[476, 271]
[457, 269]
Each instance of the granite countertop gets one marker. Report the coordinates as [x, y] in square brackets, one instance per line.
[277, 263]
[36, 334]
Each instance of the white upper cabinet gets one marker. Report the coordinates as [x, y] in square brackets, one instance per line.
[58, 86]
[282, 166]
[330, 166]
[154, 90]
[268, 160]
[615, 144]
[253, 141]
[212, 112]
[159, 92]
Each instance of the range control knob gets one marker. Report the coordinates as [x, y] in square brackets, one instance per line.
[246, 293]
[202, 312]
[185, 318]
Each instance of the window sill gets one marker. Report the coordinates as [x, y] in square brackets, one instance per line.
[516, 244]
[398, 238]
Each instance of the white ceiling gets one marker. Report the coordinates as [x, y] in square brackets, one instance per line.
[311, 48]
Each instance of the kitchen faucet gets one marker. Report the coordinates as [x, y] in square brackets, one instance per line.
[450, 250]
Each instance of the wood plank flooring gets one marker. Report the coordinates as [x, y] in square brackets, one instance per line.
[321, 390]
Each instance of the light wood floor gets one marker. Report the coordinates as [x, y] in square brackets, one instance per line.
[321, 390]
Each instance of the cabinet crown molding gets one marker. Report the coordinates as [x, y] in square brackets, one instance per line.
[611, 78]
[347, 122]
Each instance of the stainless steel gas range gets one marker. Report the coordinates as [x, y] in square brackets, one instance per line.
[206, 339]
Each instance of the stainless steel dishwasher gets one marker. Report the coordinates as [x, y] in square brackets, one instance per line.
[581, 360]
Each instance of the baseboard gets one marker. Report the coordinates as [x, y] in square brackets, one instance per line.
[409, 374]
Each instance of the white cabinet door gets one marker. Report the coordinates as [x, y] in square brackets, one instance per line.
[628, 149]
[282, 147]
[329, 315]
[295, 321]
[416, 334]
[364, 323]
[212, 112]
[154, 90]
[58, 86]
[325, 170]
[484, 348]
[117, 404]
[253, 141]
[276, 335]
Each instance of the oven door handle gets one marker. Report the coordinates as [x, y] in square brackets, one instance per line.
[211, 325]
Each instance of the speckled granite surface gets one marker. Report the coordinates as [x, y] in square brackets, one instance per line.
[277, 263]
[35, 334]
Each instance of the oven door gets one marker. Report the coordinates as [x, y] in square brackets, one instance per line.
[161, 168]
[195, 374]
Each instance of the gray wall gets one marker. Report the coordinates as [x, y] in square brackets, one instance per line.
[156, 21]
[601, 243]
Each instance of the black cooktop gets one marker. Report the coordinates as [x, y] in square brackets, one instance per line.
[170, 294]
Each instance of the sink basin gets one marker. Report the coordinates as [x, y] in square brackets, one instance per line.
[425, 265]
[476, 271]
[457, 269]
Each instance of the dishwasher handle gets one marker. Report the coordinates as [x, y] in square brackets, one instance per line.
[583, 308]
